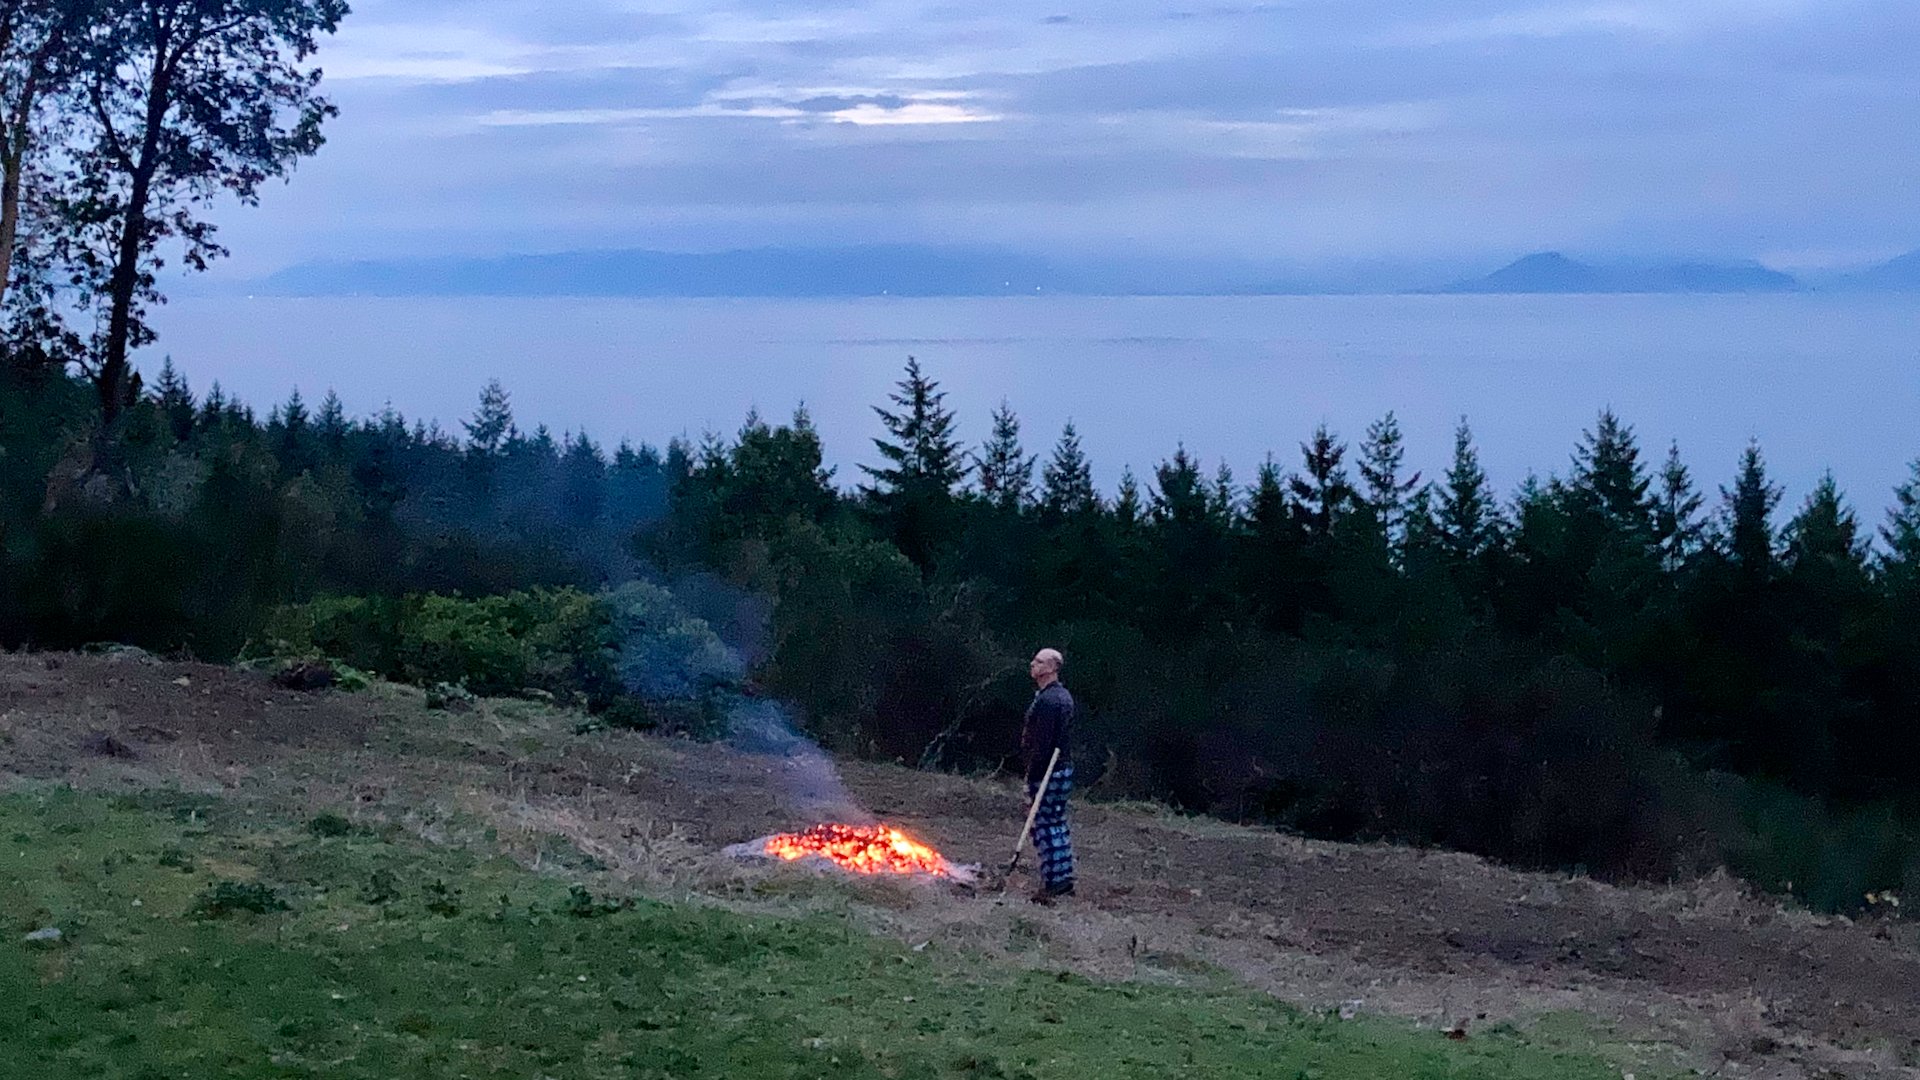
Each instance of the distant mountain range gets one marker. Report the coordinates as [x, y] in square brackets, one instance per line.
[931, 270]
[1552, 272]
[1894, 275]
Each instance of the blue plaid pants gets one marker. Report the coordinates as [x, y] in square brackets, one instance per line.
[1052, 841]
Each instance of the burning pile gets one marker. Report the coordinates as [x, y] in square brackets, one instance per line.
[861, 849]
[865, 849]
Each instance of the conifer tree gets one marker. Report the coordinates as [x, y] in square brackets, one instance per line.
[1609, 482]
[175, 400]
[1468, 515]
[492, 424]
[1747, 519]
[912, 493]
[1006, 470]
[1322, 492]
[1899, 564]
[1066, 488]
[1382, 455]
[1676, 525]
[1822, 543]
[1128, 509]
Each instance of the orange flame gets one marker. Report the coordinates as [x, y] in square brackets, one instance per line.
[864, 849]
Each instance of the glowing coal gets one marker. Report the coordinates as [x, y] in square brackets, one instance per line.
[858, 849]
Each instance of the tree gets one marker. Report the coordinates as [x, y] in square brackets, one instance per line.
[1823, 546]
[1676, 525]
[1128, 509]
[1066, 484]
[331, 425]
[1609, 483]
[1468, 515]
[583, 481]
[36, 45]
[1899, 565]
[1322, 491]
[1747, 519]
[492, 423]
[913, 492]
[287, 428]
[1273, 544]
[1226, 497]
[1006, 471]
[176, 401]
[186, 101]
[1381, 455]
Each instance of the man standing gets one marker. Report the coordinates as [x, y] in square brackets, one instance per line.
[1049, 726]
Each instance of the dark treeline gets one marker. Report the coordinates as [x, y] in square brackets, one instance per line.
[1612, 668]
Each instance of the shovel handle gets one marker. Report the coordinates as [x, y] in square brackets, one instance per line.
[1034, 811]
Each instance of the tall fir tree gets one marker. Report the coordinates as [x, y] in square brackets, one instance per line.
[175, 400]
[1128, 509]
[1382, 456]
[1609, 482]
[1226, 497]
[1822, 544]
[1899, 564]
[1746, 523]
[1006, 470]
[492, 425]
[912, 494]
[1677, 528]
[1066, 484]
[1322, 491]
[583, 493]
[1468, 515]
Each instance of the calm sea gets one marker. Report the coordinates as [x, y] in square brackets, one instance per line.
[1822, 381]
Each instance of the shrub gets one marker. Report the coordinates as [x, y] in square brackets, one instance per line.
[231, 897]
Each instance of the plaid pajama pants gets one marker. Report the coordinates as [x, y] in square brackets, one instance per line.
[1052, 841]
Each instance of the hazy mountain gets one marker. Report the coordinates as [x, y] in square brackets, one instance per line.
[1900, 274]
[1552, 272]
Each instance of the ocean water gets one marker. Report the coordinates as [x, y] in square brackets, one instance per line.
[1824, 382]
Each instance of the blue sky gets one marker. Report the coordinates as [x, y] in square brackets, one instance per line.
[1323, 133]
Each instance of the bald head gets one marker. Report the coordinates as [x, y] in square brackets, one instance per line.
[1045, 667]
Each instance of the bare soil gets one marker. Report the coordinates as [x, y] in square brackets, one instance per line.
[1703, 975]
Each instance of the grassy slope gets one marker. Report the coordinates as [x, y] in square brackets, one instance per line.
[402, 960]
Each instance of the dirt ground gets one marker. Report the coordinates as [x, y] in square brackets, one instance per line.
[1702, 975]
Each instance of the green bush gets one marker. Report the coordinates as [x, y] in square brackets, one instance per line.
[231, 898]
[554, 640]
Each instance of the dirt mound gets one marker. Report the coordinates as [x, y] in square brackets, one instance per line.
[1703, 973]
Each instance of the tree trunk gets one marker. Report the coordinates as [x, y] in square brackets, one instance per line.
[111, 380]
[13, 163]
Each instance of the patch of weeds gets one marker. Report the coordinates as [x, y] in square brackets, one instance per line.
[382, 888]
[176, 858]
[331, 825]
[185, 807]
[227, 898]
[443, 899]
[414, 1023]
[582, 904]
[450, 696]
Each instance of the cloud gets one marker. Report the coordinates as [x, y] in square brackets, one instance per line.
[1302, 128]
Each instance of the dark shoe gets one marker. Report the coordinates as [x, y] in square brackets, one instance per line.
[1048, 895]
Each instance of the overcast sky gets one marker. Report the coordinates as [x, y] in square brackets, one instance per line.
[1321, 132]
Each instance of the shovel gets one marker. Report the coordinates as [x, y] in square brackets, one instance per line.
[1032, 813]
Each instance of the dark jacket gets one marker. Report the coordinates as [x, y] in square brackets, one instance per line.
[1049, 725]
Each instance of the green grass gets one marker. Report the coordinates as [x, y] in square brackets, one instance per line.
[399, 960]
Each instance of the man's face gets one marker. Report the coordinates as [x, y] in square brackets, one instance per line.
[1039, 667]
